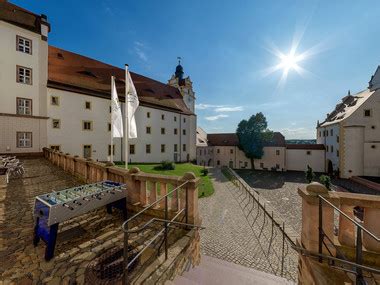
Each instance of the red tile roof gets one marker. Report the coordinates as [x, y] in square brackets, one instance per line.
[231, 139]
[306, 146]
[20, 17]
[73, 72]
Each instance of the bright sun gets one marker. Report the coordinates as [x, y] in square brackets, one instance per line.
[289, 61]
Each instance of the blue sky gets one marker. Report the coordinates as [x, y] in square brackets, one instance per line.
[224, 46]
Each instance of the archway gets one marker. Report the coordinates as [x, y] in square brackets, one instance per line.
[209, 162]
[329, 167]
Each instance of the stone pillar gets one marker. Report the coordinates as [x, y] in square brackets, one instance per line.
[371, 223]
[192, 187]
[163, 192]
[310, 218]
[346, 227]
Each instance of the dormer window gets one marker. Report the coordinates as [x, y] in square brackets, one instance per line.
[23, 45]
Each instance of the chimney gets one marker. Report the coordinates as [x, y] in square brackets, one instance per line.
[45, 27]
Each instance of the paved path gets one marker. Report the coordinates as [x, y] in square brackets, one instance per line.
[213, 271]
[234, 236]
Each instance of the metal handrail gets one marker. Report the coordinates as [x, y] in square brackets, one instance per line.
[349, 218]
[151, 205]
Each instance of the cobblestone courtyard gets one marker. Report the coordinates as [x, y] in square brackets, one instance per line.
[234, 236]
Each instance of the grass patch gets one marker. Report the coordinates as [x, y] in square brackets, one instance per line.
[205, 188]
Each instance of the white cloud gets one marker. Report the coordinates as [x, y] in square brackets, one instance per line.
[229, 109]
[207, 106]
[139, 49]
[298, 133]
[214, 118]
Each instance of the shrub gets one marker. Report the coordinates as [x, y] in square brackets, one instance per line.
[165, 165]
[204, 171]
[309, 174]
[325, 180]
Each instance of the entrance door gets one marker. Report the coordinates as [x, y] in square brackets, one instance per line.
[87, 150]
[329, 167]
[175, 157]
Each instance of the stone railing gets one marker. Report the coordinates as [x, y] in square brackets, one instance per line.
[143, 188]
[341, 231]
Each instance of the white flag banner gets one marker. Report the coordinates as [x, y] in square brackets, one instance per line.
[116, 117]
[133, 103]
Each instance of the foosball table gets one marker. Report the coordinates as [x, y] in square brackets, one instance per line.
[53, 208]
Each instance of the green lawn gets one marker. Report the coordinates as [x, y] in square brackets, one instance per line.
[205, 188]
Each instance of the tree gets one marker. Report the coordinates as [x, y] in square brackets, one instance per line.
[309, 174]
[253, 134]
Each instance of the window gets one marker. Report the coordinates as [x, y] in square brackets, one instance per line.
[109, 149]
[184, 132]
[319, 133]
[162, 148]
[87, 105]
[218, 162]
[308, 152]
[56, 123]
[367, 113]
[87, 125]
[55, 147]
[331, 132]
[176, 131]
[217, 150]
[147, 148]
[184, 120]
[23, 45]
[245, 164]
[109, 127]
[261, 165]
[231, 150]
[327, 148]
[24, 139]
[148, 130]
[87, 151]
[332, 148]
[277, 152]
[162, 131]
[337, 139]
[24, 106]
[184, 147]
[175, 148]
[162, 117]
[110, 109]
[131, 149]
[148, 114]
[277, 166]
[24, 75]
[54, 100]
[337, 153]
[175, 118]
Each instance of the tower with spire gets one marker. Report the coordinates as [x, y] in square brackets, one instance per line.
[184, 85]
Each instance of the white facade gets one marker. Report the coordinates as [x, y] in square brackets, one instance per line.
[351, 133]
[71, 137]
[299, 159]
[17, 124]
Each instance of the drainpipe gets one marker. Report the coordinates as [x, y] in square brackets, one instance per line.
[180, 137]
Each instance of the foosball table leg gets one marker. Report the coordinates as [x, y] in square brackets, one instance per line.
[36, 237]
[50, 244]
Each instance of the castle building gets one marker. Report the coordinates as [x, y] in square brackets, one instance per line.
[54, 98]
[351, 133]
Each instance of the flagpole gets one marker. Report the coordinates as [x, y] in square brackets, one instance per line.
[126, 125]
[112, 88]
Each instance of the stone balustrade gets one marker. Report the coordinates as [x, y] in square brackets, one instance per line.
[346, 202]
[143, 188]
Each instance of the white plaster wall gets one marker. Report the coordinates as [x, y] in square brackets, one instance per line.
[298, 159]
[270, 159]
[353, 160]
[224, 156]
[330, 141]
[10, 58]
[9, 126]
[71, 137]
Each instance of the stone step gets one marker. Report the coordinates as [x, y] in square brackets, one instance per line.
[215, 271]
